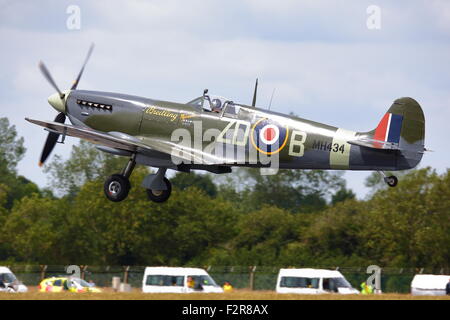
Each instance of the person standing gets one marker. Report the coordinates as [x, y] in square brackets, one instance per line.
[366, 289]
[227, 287]
[447, 288]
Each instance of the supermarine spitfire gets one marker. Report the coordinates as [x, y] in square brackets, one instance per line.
[215, 134]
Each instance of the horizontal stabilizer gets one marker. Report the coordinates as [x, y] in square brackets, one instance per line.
[375, 144]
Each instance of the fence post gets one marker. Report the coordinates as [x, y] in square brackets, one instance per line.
[116, 283]
[83, 272]
[252, 278]
[43, 269]
[125, 274]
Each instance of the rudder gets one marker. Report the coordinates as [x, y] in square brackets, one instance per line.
[404, 124]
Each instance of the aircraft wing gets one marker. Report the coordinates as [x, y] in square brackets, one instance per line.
[91, 135]
[375, 144]
[135, 144]
[186, 153]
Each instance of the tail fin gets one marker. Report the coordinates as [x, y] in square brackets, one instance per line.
[404, 124]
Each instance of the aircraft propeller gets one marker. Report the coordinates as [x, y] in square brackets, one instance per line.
[49, 78]
[52, 138]
[58, 104]
[75, 83]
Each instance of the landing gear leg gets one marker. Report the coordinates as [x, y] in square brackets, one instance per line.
[118, 186]
[391, 181]
[158, 186]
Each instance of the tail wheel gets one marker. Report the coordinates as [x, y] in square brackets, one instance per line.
[160, 195]
[116, 187]
[391, 181]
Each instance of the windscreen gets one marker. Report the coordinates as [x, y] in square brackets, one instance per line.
[7, 277]
[197, 103]
[84, 283]
[333, 284]
[341, 283]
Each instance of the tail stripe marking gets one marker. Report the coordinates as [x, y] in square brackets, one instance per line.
[380, 131]
[389, 128]
[395, 128]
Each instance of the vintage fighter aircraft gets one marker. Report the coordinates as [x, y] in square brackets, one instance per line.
[214, 134]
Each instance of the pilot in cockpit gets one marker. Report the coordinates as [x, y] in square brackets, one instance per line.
[216, 105]
[209, 103]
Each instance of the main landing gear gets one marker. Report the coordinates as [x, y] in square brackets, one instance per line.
[118, 186]
[391, 181]
[158, 186]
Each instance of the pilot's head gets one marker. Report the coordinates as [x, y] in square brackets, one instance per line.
[216, 104]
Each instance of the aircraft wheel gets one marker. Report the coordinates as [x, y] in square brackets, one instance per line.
[160, 195]
[391, 181]
[117, 187]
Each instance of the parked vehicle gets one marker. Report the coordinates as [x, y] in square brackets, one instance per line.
[68, 284]
[429, 285]
[313, 281]
[178, 280]
[9, 282]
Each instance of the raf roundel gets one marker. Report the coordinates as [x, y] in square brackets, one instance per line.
[269, 134]
[268, 137]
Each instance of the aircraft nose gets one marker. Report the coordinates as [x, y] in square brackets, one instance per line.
[56, 102]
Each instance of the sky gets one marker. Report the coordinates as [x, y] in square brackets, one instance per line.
[338, 62]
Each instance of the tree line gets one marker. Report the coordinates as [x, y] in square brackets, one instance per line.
[294, 218]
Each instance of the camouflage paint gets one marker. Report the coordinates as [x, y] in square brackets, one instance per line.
[308, 144]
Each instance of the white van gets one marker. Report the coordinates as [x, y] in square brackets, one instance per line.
[178, 280]
[9, 282]
[313, 281]
[429, 285]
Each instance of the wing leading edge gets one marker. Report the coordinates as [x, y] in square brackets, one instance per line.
[90, 135]
[121, 141]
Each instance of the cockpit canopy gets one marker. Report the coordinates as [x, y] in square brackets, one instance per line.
[211, 103]
[215, 104]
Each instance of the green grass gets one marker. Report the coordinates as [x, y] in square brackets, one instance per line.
[235, 295]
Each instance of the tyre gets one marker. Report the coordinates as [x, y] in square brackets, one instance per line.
[391, 181]
[160, 195]
[116, 187]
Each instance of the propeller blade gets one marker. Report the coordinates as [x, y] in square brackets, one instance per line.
[254, 93]
[75, 83]
[49, 78]
[52, 138]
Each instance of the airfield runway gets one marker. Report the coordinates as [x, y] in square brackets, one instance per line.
[136, 294]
